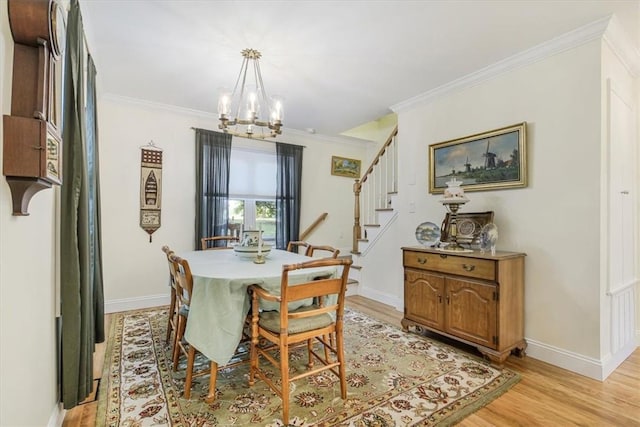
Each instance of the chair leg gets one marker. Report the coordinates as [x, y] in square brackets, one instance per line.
[284, 375]
[341, 367]
[329, 340]
[211, 397]
[172, 315]
[309, 349]
[253, 350]
[188, 379]
[176, 341]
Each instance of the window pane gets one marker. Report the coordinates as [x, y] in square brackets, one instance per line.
[266, 218]
[236, 216]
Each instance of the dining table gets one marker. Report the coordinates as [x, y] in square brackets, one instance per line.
[220, 301]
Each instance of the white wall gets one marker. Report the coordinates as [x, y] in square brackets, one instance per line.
[28, 384]
[134, 270]
[555, 219]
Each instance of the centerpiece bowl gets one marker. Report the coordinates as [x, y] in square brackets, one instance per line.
[250, 252]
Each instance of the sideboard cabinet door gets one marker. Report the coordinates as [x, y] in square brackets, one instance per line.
[423, 296]
[472, 311]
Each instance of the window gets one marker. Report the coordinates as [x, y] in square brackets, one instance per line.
[252, 190]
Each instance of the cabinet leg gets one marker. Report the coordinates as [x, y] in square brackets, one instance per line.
[495, 358]
[520, 350]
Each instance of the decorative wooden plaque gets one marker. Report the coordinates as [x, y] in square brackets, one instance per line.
[150, 188]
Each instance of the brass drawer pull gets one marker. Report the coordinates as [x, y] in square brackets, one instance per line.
[422, 260]
[468, 267]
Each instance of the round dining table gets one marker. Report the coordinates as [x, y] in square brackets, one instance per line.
[220, 301]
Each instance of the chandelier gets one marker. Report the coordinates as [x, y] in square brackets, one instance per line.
[247, 111]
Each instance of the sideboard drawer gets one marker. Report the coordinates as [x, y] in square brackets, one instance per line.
[451, 264]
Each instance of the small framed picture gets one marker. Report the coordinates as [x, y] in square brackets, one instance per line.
[341, 166]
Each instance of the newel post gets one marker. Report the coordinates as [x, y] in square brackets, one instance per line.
[357, 186]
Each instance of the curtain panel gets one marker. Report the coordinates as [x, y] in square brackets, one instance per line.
[81, 291]
[213, 155]
[288, 193]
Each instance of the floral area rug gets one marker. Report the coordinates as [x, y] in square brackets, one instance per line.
[393, 379]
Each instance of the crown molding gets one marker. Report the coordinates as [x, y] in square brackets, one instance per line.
[562, 43]
[158, 106]
[295, 135]
[622, 47]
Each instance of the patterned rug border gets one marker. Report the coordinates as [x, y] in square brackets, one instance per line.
[460, 413]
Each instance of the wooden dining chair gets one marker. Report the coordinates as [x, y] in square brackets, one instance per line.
[295, 245]
[312, 324]
[184, 291]
[208, 243]
[324, 250]
[173, 312]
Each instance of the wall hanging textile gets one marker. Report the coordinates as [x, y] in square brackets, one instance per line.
[150, 188]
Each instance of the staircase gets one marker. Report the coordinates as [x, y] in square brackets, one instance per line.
[373, 207]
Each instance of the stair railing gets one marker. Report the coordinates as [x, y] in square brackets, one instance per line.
[313, 226]
[372, 192]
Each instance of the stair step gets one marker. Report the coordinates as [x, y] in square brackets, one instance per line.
[384, 209]
[371, 225]
[352, 282]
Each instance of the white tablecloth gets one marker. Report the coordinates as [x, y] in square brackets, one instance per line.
[220, 301]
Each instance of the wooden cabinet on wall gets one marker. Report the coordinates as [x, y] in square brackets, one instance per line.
[474, 298]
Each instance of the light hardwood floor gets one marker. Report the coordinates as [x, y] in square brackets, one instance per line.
[545, 396]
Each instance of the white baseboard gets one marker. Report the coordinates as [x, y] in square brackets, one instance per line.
[574, 362]
[126, 304]
[382, 297]
[611, 362]
[587, 366]
[57, 416]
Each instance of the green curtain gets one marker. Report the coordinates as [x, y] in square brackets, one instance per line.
[213, 159]
[95, 224]
[288, 193]
[80, 264]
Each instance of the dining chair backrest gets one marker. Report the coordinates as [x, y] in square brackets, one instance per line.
[208, 243]
[171, 321]
[167, 251]
[317, 288]
[323, 250]
[184, 279]
[295, 245]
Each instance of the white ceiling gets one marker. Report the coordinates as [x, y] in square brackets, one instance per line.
[338, 64]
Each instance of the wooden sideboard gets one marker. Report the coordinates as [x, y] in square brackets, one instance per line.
[474, 298]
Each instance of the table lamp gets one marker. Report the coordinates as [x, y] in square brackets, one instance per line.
[454, 198]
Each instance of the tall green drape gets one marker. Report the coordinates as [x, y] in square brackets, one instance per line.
[213, 157]
[80, 263]
[95, 223]
[288, 193]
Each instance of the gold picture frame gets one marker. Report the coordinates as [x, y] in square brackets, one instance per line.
[491, 160]
[342, 166]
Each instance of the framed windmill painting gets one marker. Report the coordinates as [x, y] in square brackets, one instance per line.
[486, 161]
